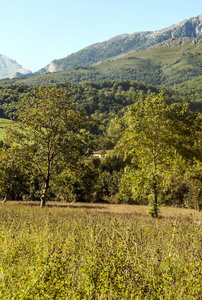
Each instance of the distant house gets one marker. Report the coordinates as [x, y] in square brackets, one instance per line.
[101, 153]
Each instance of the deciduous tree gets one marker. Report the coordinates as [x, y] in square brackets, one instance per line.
[50, 132]
[156, 134]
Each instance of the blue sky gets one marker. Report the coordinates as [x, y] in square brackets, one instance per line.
[35, 32]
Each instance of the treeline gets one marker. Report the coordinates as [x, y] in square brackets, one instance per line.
[103, 101]
[108, 96]
[47, 153]
[102, 97]
[9, 98]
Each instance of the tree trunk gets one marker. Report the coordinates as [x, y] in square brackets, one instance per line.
[44, 194]
[5, 198]
[155, 197]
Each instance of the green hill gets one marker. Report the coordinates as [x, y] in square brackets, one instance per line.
[165, 65]
[190, 28]
[174, 64]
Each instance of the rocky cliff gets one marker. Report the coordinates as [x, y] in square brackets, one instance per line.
[9, 68]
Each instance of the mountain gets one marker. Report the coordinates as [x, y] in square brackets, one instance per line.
[167, 64]
[9, 68]
[124, 43]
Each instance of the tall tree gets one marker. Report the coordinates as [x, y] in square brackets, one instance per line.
[155, 135]
[50, 132]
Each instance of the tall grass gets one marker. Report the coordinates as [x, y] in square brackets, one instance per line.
[93, 253]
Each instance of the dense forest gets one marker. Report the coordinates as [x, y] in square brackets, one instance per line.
[105, 97]
[102, 100]
[102, 118]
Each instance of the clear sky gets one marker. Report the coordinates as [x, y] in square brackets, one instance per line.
[35, 32]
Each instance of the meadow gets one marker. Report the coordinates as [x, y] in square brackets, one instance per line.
[99, 251]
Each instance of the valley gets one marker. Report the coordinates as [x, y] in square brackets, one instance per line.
[126, 224]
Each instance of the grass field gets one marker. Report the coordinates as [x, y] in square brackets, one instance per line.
[3, 123]
[98, 251]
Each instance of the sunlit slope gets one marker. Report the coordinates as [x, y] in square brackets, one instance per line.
[163, 65]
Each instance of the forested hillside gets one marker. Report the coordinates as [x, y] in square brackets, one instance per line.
[175, 64]
[104, 99]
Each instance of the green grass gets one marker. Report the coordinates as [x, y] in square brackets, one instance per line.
[88, 251]
[3, 123]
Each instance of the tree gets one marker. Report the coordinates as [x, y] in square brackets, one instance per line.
[80, 185]
[184, 187]
[156, 134]
[14, 178]
[51, 133]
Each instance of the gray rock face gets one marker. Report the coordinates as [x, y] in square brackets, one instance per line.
[174, 42]
[9, 68]
[191, 28]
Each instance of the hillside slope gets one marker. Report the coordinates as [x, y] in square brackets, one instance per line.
[171, 63]
[125, 43]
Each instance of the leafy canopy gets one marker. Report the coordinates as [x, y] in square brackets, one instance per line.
[156, 135]
[50, 132]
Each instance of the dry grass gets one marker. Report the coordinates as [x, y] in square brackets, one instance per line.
[114, 208]
[99, 251]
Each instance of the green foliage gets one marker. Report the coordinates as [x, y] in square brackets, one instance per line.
[156, 136]
[3, 123]
[50, 133]
[103, 100]
[193, 177]
[80, 184]
[9, 98]
[184, 187]
[107, 96]
[93, 180]
[153, 210]
[110, 172]
[14, 177]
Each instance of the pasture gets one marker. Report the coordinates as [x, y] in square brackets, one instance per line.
[99, 251]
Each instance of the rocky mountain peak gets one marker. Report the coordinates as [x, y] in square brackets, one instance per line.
[9, 68]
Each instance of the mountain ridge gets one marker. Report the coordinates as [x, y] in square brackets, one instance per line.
[113, 48]
[168, 64]
[124, 43]
[173, 42]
